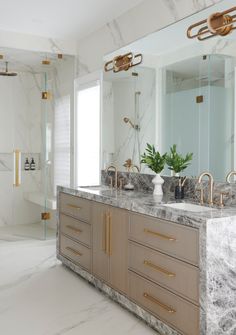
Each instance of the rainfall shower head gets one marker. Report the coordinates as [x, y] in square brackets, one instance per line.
[7, 73]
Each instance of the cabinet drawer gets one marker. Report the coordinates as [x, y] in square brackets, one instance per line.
[174, 239]
[176, 275]
[165, 305]
[78, 230]
[75, 206]
[76, 252]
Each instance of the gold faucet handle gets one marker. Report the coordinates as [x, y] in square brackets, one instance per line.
[201, 194]
[222, 194]
[121, 182]
[110, 181]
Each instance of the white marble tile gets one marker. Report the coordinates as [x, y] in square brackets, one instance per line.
[39, 296]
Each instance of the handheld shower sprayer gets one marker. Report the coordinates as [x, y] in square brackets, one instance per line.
[135, 126]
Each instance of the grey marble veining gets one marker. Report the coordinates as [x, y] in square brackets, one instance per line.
[217, 254]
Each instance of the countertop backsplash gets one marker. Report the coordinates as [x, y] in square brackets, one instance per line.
[143, 182]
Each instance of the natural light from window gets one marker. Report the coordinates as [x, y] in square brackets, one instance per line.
[88, 136]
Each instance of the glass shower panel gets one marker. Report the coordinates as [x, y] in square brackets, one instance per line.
[49, 204]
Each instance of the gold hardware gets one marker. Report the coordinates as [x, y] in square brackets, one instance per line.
[199, 99]
[123, 62]
[110, 181]
[73, 206]
[45, 216]
[211, 184]
[220, 24]
[165, 237]
[77, 230]
[17, 167]
[46, 95]
[121, 181]
[157, 302]
[46, 61]
[158, 268]
[229, 175]
[107, 235]
[130, 166]
[103, 232]
[222, 194]
[74, 251]
[1, 56]
[110, 235]
[201, 195]
[59, 56]
[116, 174]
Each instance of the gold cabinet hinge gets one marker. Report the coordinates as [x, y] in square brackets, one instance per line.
[45, 216]
[199, 99]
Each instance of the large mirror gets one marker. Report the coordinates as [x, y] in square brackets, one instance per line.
[182, 93]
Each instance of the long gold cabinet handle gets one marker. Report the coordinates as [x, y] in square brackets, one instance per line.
[159, 303]
[74, 206]
[76, 230]
[158, 268]
[110, 235]
[107, 240]
[165, 237]
[76, 252]
[104, 235]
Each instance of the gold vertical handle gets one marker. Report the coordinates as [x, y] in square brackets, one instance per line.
[107, 234]
[110, 234]
[17, 167]
[103, 217]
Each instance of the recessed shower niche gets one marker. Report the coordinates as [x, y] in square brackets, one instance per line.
[33, 103]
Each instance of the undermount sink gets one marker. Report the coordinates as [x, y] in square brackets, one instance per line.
[188, 207]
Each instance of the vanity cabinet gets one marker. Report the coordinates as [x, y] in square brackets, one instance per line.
[75, 230]
[110, 244]
[152, 262]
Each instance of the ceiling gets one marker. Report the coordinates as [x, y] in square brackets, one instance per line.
[63, 19]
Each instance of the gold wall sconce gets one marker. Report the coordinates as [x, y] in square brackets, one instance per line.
[59, 56]
[217, 24]
[1, 56]
[123, 62]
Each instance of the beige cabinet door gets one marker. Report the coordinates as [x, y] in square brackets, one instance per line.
[118, 249]
[100, 223]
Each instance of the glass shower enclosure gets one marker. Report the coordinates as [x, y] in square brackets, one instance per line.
[28, 203]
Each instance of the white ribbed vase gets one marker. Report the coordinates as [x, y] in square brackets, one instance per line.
[158, 182]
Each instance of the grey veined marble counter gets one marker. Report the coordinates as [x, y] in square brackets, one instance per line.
[217, 249]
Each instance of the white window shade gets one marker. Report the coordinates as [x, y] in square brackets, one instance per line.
[62, 142]
[88, 134]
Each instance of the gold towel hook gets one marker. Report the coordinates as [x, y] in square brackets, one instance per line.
[220, 24]
[123, 62]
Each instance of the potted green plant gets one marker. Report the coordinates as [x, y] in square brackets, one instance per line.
[156, 162]
[176, 162]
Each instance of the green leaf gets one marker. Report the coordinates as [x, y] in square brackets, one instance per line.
[177, 162]
[153, 159]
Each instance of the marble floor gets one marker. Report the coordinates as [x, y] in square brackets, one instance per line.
[39, 296]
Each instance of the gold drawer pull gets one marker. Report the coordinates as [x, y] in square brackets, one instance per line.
[77, 230]
[157, 302]
[73, 206]
[158, 268]
[74, 251]
[165, 237]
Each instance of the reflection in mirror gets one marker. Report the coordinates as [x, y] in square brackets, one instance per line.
[182, 93]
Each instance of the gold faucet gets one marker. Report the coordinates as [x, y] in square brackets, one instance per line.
[116, 174]
[229, 175]
[211, 183]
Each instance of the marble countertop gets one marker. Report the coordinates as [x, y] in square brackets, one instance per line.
[146, 203]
